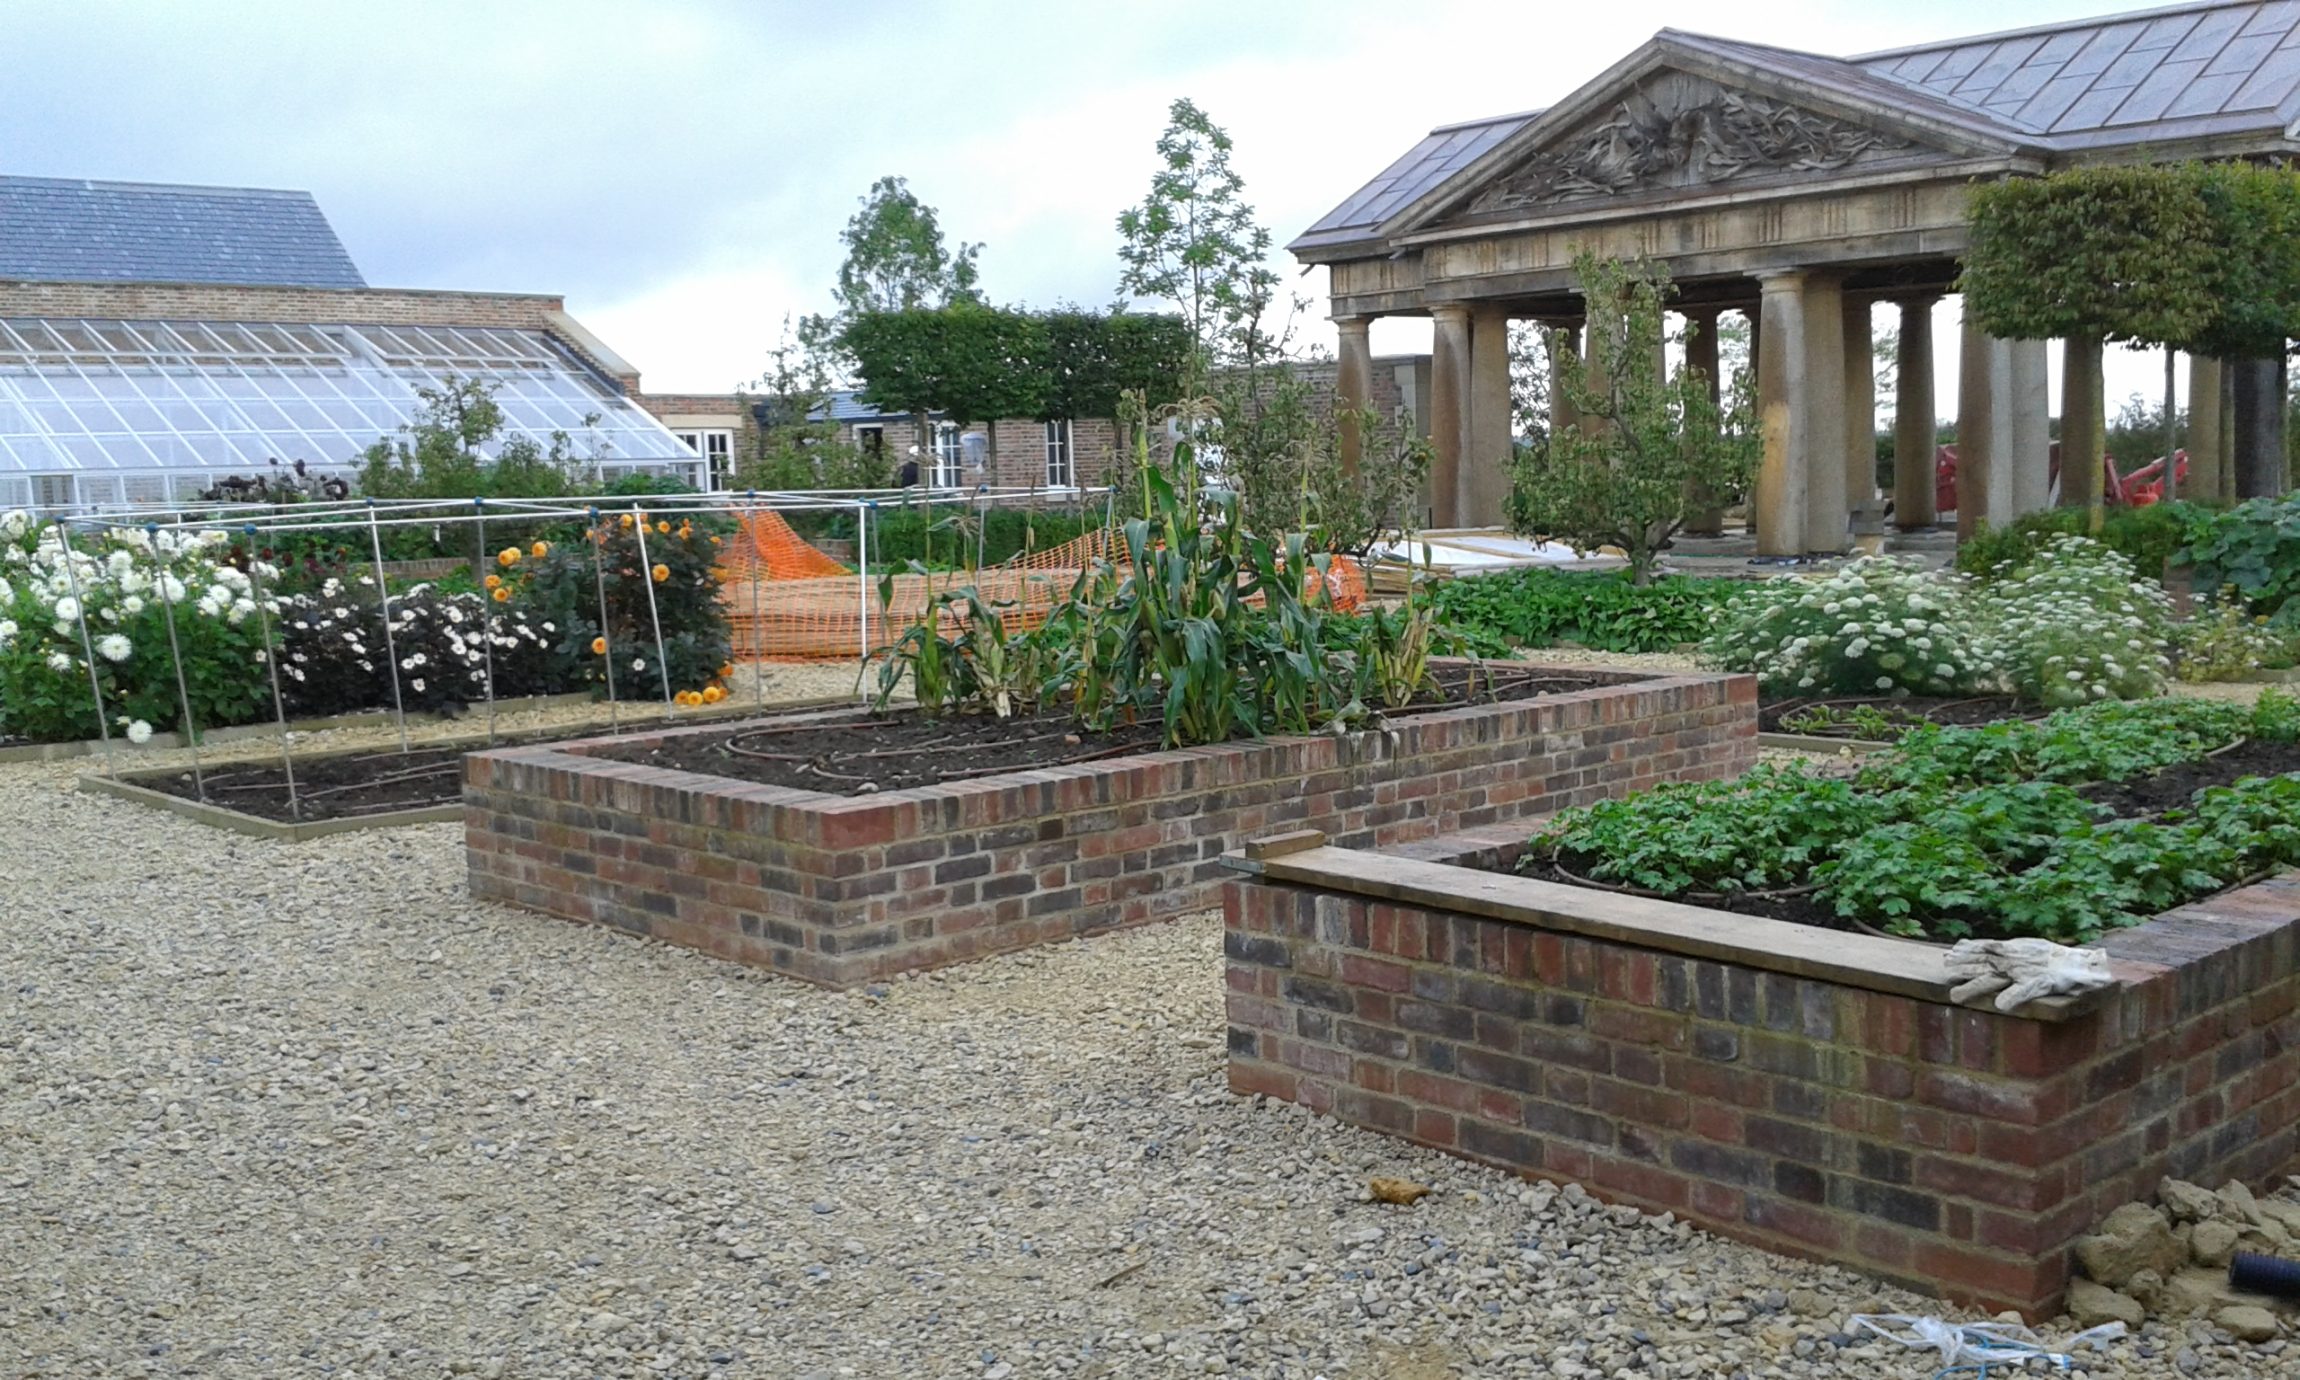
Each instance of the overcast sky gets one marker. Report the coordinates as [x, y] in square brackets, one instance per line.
[680, 169]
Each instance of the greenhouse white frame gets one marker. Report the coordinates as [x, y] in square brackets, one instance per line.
[105, 412]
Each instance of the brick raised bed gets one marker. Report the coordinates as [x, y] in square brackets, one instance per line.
[840, 890]
[1814, 1092]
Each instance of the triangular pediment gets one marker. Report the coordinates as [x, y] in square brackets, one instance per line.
[1678, 121]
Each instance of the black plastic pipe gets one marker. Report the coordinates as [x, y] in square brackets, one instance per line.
[2264, 1274]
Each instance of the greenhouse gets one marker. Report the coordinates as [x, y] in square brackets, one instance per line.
[104, 412]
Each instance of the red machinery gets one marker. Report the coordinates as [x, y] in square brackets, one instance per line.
[2137, 489]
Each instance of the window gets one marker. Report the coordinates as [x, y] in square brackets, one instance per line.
[1058, 466]
[870, 439]
[949, 456]
[717, 447]
[52, 491]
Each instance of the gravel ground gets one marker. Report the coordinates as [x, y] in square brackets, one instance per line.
[301, 1110]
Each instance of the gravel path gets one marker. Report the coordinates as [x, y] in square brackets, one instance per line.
[303, 1110]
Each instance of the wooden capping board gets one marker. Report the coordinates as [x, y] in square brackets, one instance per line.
[1802, 742]
[1902, 967]
[255, 826]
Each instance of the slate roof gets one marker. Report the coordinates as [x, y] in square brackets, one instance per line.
[2216, 68]
[62, 230]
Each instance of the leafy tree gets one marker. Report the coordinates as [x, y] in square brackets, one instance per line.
[968, 362]
[896, 260]
[1194, 242]
[443, 453]
[1628, 477]
[796, 443]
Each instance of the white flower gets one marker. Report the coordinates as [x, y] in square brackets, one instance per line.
[418, 684]
[171, 589]
[58, 662]
[638, 664]
[1884, 682]
[139, 733]
[114, 647]
[67, 609]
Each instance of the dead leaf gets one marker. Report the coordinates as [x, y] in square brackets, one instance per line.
[1403, 1192]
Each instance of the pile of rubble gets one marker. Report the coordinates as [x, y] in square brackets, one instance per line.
[2169, 1259]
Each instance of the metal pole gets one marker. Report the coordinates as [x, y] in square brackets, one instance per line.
[981, 524]
[758, 630]
[272, 660]
[647, 580]
[191, 729]
[390, 648]
[2171, 430]
[863, 519]
[607, 640]
[486, 619]
[87, 644]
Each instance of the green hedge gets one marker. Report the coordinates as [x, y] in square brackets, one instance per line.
[2148, 537]
[1540, 608]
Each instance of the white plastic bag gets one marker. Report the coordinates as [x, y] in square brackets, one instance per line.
[1978, 1346]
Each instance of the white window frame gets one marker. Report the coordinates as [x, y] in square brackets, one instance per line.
[949, 456]
[1061, 455]
[864, 431]
[716, 446]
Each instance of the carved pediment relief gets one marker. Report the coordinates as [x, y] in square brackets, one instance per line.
[1676, 131]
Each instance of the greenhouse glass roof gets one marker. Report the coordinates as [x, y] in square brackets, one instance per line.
[126, 397]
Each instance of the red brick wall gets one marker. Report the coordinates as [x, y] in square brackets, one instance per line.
[841, 890]
[1958, 1150]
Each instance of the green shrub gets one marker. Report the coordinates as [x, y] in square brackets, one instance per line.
[898, 535]
[665, 578]
[1540, 608]
[1874, 627]
[2073, 624]
[2224, 640]
[2149, 537]
[2253, 547]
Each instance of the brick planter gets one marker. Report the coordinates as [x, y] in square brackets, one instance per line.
[840, 890]
[1810, 1091]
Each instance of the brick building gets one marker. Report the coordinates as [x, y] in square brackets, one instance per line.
[155, 339]
[1031, 453]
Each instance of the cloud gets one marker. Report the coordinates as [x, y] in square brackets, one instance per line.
[680, 169]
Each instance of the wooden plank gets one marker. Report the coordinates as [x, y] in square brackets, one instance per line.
[1279, 845]
[1902, 967]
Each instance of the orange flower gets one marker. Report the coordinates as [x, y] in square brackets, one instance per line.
[626, 522]
[726, 670]
[714, 541]
[689, 698]
[507, 557]
[662, 526]
[502, 595]
[686, 530]
[662, 573]
[712, 694]
[494, 580]
[598, 646]
[539, 550]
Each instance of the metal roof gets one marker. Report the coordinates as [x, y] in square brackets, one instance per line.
[61, 230]
[2224, 67]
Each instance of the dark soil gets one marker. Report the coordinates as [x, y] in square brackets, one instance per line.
[847, 754]
[1902, 714]
[892, 752]
[2170, 789]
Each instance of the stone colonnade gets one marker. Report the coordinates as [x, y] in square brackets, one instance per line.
[1816, 486]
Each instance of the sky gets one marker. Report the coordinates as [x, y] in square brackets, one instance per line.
[680, 170]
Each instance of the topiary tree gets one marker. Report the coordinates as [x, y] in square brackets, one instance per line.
[969, 362]
[1647, 446]
[2093, 255]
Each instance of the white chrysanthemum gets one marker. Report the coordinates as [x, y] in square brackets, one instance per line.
[139, 733]
[67, 609]
[114, 647]
[171, 589]
[638, 664]
[59, 663]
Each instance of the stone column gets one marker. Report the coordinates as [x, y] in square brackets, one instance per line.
[1828, 514]
[1704, 518]
[2259, 427]
[1449, 410]
[2030, 456]
[1778, 506]
[1353, 384]
[1914, 424]
[1597, 358]
[1861, 420]
[2225, 461]
[1976, 429]
[1483, 497]
[2083, 426]
[1561, 340]
[2203, 431]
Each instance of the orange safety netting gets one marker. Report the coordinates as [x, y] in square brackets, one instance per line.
[787, 601]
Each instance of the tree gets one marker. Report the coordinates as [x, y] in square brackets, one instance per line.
[895, 256]
[796, 444]
[1194, 242]
[969, 362]
[1628, 475]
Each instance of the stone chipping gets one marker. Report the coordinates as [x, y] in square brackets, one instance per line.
[307, 1109]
